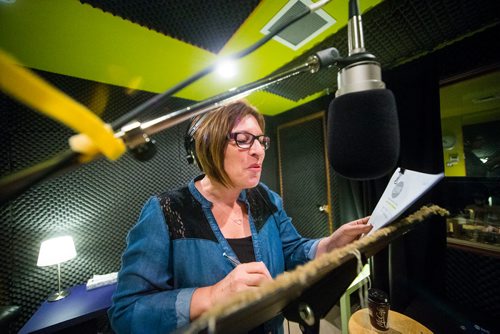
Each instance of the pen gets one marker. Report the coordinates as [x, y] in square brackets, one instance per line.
[231, 259]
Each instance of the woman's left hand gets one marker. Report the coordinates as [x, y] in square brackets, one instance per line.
[344, 235]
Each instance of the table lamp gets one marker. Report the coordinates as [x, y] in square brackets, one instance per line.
[56, 251]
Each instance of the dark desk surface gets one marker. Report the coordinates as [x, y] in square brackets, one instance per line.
[81, 305]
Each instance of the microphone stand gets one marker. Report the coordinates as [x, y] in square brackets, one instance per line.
[136, 135]
[142, 148]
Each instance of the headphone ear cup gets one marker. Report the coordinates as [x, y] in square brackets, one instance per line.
[189, 142]
[189, 146]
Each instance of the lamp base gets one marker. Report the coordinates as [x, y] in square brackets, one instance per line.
[58, 295]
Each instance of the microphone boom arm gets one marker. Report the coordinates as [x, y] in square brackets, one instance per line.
[136, 134]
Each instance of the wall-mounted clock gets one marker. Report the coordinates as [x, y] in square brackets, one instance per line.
[449, 141]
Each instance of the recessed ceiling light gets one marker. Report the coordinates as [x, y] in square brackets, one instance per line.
[226, 68]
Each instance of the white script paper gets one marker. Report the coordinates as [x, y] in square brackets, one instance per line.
[404, 188]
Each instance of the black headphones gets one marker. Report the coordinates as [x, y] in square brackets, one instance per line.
[189, 144]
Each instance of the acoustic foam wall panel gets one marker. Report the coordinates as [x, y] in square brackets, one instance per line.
[96, 203]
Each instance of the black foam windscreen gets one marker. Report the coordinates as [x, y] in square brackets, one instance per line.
[363, 134]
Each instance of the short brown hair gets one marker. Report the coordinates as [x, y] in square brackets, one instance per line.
[211, 137]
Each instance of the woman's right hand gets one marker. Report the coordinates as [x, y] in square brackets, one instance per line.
[244, 276]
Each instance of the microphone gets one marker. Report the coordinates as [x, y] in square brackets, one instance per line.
[363, 127]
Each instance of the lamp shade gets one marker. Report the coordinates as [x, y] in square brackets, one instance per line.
[56, 250]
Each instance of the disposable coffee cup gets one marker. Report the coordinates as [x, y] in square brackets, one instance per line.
[378, 308]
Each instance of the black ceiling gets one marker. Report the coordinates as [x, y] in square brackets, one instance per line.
[206, 24]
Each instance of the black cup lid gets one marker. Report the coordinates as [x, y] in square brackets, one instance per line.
[378, 296]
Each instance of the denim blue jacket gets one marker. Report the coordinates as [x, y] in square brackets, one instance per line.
[177, 246]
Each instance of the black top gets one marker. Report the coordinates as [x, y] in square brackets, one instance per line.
[180, 205]
[243, 248]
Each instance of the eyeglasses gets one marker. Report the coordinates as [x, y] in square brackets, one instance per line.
[245, 140]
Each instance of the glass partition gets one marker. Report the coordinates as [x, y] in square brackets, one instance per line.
[470, 124]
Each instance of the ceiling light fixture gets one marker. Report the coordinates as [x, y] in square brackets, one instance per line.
[226, 68]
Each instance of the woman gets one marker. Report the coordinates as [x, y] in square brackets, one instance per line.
[184, 254]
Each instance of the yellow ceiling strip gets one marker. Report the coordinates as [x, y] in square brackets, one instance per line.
[70, 38]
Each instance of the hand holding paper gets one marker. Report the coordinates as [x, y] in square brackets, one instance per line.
[404, 188]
